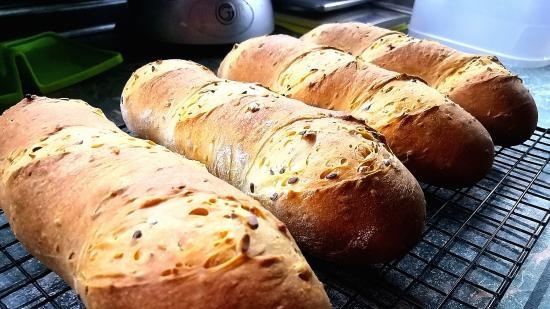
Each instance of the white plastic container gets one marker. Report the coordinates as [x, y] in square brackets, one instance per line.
[516, 31]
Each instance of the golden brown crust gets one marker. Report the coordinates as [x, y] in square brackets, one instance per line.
[325, 174]
[447, 136]
[350, 37]
[512, 116]
[227, 289]
[386, 100]
[480, 85]
[347, 228]
[130, 224]
[281, 55]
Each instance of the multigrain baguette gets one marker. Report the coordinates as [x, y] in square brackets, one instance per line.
[130, 224]
[436, 139]
[480, 84]
[343, 195]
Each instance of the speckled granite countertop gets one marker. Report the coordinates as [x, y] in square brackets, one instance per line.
[531, 287]
[538, 82]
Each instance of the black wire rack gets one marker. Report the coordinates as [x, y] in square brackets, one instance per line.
[474, 244]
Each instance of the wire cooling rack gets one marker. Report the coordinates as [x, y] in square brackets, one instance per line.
[476, 240]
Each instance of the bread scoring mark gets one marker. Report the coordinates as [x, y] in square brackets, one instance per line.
[310, 68]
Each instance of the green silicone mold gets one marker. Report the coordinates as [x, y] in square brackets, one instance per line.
[50, 62]
[10, 86]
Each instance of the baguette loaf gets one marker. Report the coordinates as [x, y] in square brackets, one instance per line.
[436, 139]
[341, 192]
[480, 84]
[129, 224]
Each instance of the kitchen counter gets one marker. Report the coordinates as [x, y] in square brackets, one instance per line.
[531, 285]
[530, 288]
[537, 81]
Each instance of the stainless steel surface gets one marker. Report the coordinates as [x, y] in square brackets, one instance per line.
[19, 8]
[401, 6]
[318, 5]
[202, 21]
[28, 17]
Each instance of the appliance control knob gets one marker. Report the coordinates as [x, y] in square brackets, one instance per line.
[225, 18]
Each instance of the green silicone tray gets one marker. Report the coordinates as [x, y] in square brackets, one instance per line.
[10, 86]
[51, 62]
